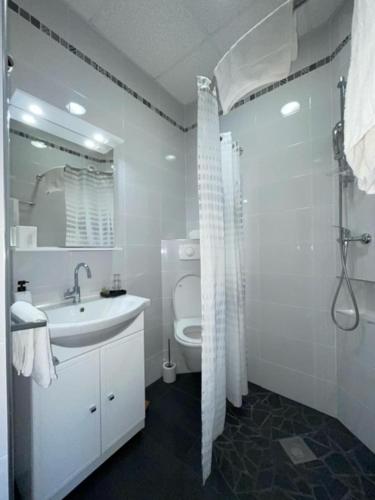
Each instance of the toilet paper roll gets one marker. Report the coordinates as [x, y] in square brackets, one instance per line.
[169, 372]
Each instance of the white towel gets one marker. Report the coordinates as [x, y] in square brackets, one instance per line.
[54, 179]
[360, 97]
[262, 56]
[32, 355]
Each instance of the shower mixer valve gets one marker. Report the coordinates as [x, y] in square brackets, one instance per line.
[346, 236]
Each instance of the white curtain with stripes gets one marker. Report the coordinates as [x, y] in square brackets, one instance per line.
[235, 352]
[89, 205]
[224, 372]
[211, 221]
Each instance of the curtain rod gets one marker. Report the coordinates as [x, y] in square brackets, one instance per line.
[39, 177]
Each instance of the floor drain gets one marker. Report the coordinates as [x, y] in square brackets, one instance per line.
[297, 450]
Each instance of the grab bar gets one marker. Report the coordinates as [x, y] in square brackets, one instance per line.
[17, 324]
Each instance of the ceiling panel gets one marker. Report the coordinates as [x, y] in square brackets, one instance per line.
[229, 34]
[86, 8]
[180, 81]
[174, 40]
[213, 14]
[154, 34]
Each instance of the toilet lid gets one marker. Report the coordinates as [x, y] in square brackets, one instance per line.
[187, 297]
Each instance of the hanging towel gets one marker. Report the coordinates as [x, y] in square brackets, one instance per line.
[262, 56]
[32, 355]
[54, 180]
[360, 97]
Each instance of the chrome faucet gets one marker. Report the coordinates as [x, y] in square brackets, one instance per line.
[75, 292]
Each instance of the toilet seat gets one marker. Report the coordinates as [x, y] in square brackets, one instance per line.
[181, 327]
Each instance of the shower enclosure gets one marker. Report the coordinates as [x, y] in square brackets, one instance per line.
[345, 178]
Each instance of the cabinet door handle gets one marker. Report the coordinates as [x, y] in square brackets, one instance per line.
[111, 397]
[92, 409]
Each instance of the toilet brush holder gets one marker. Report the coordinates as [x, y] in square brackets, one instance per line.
[169, 372]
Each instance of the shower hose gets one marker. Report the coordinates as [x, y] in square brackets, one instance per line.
[344, 277]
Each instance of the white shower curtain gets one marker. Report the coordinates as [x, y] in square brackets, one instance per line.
[222, 278]
[236, 372]
[211, 219]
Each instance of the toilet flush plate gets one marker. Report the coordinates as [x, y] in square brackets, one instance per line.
[189, 251]
[297, 450]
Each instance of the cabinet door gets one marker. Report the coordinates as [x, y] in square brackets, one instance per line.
[67, 426]
[123, 387]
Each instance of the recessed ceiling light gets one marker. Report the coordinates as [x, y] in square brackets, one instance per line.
[39, 144]
[35, 109]
[100, 138]
[29, 119]
[170, 157]
[75, 108]
[290, 108]
[90, 144]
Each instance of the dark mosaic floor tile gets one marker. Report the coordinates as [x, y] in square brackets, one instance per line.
[368, 488]
[156, 390]
[169, 434]
[336, 489]
[341, 436]
[320, 493]
[189, 383]
[338, 464]
[177, 411]
[365, 459]
[163, 462]
[265, 479]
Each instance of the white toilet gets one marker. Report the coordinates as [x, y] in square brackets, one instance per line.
[188, 323]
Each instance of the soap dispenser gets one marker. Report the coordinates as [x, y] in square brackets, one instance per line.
[22, 293]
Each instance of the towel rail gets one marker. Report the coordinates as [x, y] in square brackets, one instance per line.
[17, 324]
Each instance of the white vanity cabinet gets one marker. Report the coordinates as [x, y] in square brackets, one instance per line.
[94, 407]
[122, 404]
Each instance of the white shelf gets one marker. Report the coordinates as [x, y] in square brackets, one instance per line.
[67, 249]
[368, 316]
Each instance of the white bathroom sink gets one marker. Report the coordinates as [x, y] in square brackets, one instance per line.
[92, 321]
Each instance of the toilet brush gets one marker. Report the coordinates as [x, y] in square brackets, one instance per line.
[169, 353]
[169, 368]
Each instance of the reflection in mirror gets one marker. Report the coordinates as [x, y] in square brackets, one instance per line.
[62, 178]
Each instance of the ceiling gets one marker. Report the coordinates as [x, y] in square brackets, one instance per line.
[175, 40]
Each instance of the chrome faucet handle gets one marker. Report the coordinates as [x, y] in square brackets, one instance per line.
[69, 293]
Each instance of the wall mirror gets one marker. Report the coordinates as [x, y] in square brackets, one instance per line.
[62, 177]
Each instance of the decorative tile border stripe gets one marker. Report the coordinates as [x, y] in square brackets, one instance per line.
[294, 76]
[86, 59]
[29, 137]
[251, 97]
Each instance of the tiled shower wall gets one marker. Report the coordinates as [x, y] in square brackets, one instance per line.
[356, 350]
[59, 58]
[289, 194]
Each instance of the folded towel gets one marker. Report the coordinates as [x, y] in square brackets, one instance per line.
[54, 179]
[262, 56]
[32, 355]
[360, 97]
